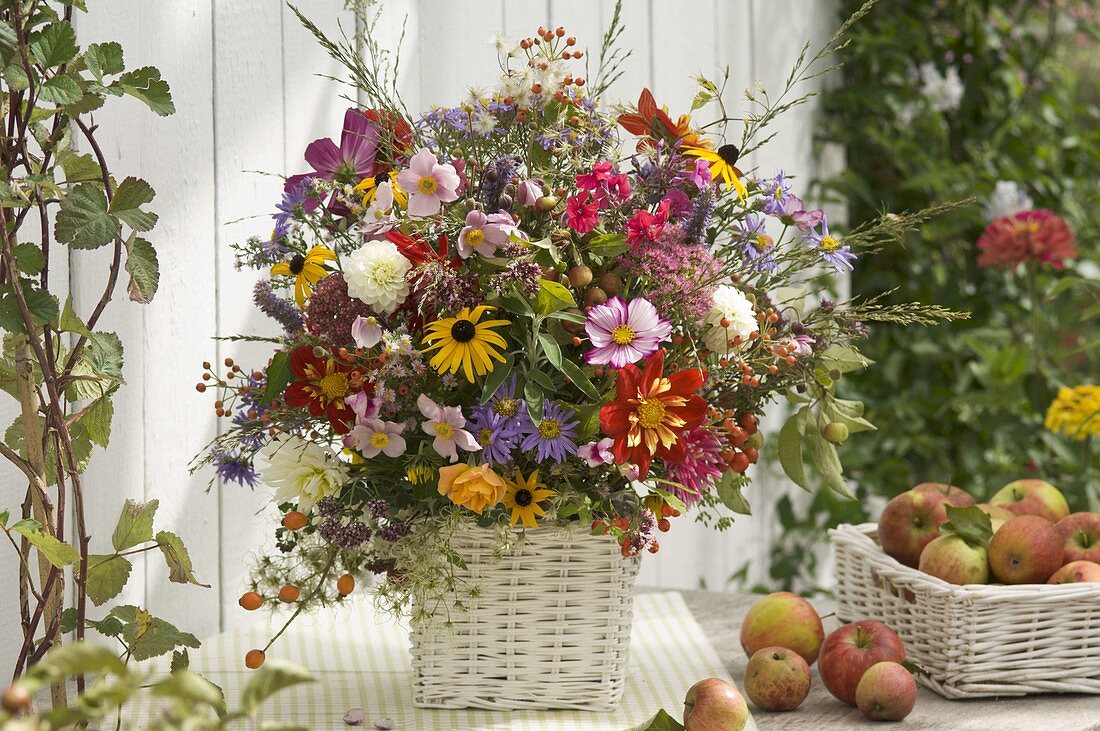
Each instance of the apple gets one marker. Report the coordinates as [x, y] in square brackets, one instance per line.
[1026, 550]
[786, 620]
[886, 692]
[777, 679]
[1081, 533]
[996, 512]
[1032, 497]
[849, 651]
[952, 559]
[714, 705]
[1076, 572]
[957, 496]
[910, 522]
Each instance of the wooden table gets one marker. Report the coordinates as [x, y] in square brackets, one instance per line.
[720, 615]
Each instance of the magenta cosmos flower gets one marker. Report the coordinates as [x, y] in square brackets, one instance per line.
[1040, 236]
[429, 183]
[483, 233]
[347, 163]
[623, 333]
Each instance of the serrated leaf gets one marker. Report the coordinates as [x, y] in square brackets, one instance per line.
[147, 636]
[278, 377]
[78, 166]
[181, 660]
[55, 44]
[68, 620]
[135, 524]
[68, 321]
[29, 258]
[58, 553]
[61, 90]
[16, 77]
[104, 353]
[660, 722]
[552, 297]
[83, 220]
[269, 679]
[177, 558]
[126, 205]
[790, 448]
[107, 576]
[146, 84]
[104, 59]
[8, 38]
[971, 523]
[41, 305]
[144, 270]
[96, 421]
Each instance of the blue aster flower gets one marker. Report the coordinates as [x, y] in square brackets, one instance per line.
[757, 248]
[497, 435]
[553, 437]
[776, 193]
[831, 248]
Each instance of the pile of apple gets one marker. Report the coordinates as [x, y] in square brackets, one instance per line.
[1025, 534]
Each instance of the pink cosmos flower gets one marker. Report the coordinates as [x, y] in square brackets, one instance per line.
[528, 192]
[646, 226]
[445, 424]
[581, 212]
[597, 453]
[484, 233]
[375, 436]
[366, 332]
[429, 184]
[624, 333]
[1040, 236]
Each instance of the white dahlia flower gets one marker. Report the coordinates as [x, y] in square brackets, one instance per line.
[300, 470]
[375, 273]
[730, 304]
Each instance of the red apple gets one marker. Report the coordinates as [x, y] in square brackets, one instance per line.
[886, 692]
[910, 522]
[996, 512]
[955, 561]
[1081, 533]
[714, 705]
[1076, 572]
[849, 651]
[1032, 497]
[956, 496]
[1026, 550]
[777, 679]
[786, 620]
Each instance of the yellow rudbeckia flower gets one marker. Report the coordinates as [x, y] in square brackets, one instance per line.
[466, 342]
[307, 271]
[723, 164]
[523, 497]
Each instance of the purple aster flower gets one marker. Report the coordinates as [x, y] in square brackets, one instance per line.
[624, 333]
[553, 437]
[831, 248]
[777, 193]
[757, 247]
[296, 201]
[233, 467]
[497, 435]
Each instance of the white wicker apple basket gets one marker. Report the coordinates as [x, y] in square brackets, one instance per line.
[549, 627]
[973, 641]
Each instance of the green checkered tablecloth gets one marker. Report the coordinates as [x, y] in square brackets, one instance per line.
[361, 660]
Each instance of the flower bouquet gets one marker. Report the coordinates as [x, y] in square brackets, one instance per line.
[513, 353]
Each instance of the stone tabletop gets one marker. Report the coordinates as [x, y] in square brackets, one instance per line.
[720, 616]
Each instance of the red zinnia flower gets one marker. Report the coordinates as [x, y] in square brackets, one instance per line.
[1040, 236]
[322, 385]
[651, 412]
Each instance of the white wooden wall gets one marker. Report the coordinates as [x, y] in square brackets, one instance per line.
[244, 76]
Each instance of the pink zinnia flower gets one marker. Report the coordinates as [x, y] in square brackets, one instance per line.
[645, 226]
[702, 465]
[1040, 236]
[581, 212]
[374, 437]
[445, 424]
[624, 333]
[429, 184]
[484, 233]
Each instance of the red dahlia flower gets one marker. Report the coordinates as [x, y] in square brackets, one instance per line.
[651, 412]
[1040, 236]
[322, 385]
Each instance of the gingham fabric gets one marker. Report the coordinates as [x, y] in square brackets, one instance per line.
[361, 660]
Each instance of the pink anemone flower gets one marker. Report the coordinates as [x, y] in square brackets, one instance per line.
[429, 183]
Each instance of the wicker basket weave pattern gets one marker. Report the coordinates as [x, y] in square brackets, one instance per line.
[548, 628]
[973, 641]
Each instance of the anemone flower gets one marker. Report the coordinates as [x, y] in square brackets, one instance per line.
[483, 233]
[624, 332]
[446, 423]
[374, 437]
[429, 183]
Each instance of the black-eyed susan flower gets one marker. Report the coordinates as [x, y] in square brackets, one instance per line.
[523, 497]
[723, 165]
[465, 341]
[307, 270]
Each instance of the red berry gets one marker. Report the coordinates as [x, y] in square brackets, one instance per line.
[254, 659]
[663, 525]
[251, 601]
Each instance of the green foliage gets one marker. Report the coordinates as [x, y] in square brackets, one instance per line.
[972, 524]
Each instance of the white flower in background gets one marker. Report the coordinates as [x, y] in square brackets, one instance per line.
[300, 470]
[1007, 199]
[375, 273]
[730, 304]
[483, 123]
[943, 91]
[502, 45]
[907, 113]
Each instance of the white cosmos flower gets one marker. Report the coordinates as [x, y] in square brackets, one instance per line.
[728, 303]
[375, 273]
[300, 470]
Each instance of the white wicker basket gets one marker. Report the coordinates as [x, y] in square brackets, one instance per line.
[549, 627]
[973, 641]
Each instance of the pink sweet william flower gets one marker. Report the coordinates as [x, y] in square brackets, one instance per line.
[374, 437]
[581, 212]
[445, 424]
[483, 233]
[429, 184]
[1040, 236]
[597, 453]
[623, 333]
[645, 226]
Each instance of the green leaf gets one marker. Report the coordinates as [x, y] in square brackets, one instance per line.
[126, 205]
[533, 395]
[181, 660]
[496, 378]
[177, 558]
[607, 246]
[552, 297]
[55, 44]
[269, 679]
[68, 321]
[107, 576]
[849, 413]
[278, 377]
[790, 448]
[83, 657]
[104, 351]
[581, 381]
[61, 90]
[83, 220]
[824, 456]
[144, 270]
[972, 524]
[729, 492]
[78, 166]
[135, 524]
[96, 421]
[552, 350]
[68, 620]
[41, 305]
[844, 358]
[190, 686]
[8, 39]
[542, 380]
[661, 722]
[146, 84]
[29, 258]
[568, 316]
[56, 552]
[148, 636]
[16, 77]
[104, 59]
